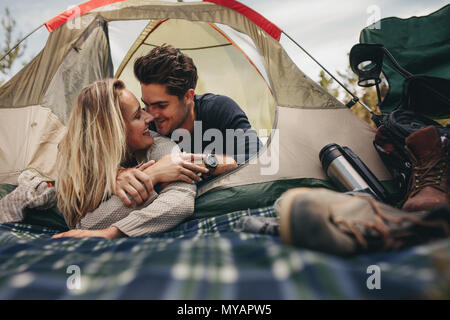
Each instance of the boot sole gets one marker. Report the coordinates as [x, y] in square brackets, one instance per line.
[285, 213]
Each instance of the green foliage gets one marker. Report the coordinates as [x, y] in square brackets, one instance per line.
[8, 25]
[328, 84]
[367, 95]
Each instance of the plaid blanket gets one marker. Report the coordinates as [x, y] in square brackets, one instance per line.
[209, 259]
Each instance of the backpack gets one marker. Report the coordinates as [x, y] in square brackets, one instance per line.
[390, 144]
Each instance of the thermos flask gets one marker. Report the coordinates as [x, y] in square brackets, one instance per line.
[346, 170]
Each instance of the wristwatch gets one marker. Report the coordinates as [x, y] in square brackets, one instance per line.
[211, 162]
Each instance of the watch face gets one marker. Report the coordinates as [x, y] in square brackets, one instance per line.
[211, 161]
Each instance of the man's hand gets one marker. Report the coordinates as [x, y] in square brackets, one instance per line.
[108, 233]
[226, 163]
[136, 183]
[189, 164]
[177, 167]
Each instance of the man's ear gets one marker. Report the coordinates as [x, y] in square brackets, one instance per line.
[189, 96]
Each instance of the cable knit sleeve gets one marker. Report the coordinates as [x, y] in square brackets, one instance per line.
[171, 207]
[161, 212]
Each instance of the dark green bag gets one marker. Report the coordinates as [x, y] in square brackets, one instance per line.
[426, 95]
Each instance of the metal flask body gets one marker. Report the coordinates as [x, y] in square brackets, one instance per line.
[340, 171]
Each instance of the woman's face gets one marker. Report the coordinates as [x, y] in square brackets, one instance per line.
[136, 122]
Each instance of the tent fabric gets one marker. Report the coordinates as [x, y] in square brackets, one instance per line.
[91, 5]
[421, 45]
[28, 86]
[30, 135]
[233, 75]
[72, 74]
[150, 27]
[75, 12]
[30, 142]
[54, 77]
[293, 152]
[254, 16]
[291, 87]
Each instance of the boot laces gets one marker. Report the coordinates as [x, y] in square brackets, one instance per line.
[390, 240]
[430, 174]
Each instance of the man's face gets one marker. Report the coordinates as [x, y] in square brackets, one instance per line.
[169, 112]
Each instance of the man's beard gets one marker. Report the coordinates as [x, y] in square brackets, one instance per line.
[182, 120]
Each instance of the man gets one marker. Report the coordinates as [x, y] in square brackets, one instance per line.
[201, 124]
[168, 79]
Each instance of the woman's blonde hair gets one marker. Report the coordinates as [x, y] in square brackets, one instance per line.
[90, 154]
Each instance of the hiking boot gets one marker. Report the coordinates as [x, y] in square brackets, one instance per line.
[345, 225]
[428, 186]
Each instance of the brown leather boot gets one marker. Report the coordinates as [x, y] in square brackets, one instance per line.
[428, 187]
[341, 224]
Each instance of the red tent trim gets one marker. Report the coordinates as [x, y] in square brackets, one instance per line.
[75, 12]
[251, 14]
[87, 6]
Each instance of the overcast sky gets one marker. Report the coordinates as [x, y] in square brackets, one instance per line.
[326, 28]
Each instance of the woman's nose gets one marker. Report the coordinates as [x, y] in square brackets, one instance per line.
[148, 117]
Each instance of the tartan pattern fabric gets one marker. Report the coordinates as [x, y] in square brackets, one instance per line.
[207, 259]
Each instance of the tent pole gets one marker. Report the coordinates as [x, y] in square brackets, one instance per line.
[7, 53]
[355, 98]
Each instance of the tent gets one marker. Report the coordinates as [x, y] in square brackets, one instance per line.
[238, 53]
[207, 258]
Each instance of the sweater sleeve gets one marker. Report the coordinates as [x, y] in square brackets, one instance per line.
[171, 207]
[160, 212]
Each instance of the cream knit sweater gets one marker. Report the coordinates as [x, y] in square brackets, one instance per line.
[159, 213]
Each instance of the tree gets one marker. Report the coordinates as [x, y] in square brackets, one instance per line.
[328, 84]
[8, 25]
[367, 95]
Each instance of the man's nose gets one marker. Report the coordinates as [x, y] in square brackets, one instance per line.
[148, 117]
[152, 110]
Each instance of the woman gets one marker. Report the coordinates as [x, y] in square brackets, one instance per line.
[115, 132]
[108, 131]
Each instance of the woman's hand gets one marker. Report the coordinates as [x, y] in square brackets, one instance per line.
[108, 233]
[192, 163]
[177, 167]
[136, 183]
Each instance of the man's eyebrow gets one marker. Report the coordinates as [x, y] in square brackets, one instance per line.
[154, 103]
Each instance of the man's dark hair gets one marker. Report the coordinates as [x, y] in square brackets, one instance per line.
[167, 66]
